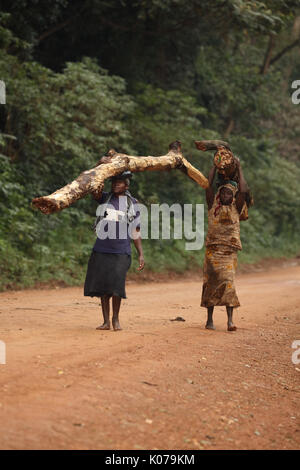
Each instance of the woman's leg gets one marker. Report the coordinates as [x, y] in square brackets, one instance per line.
[210, 324]
[230, 325]
[105, 312]
[116, 302]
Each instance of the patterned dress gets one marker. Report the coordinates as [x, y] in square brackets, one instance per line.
[222, 244]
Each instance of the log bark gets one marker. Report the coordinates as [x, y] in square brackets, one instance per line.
[205, 145]
[92, 181]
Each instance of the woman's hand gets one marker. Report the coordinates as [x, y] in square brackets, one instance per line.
[141, 263]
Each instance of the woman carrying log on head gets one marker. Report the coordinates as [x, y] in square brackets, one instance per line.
[222, 244]
[227, 168]
[116, 225]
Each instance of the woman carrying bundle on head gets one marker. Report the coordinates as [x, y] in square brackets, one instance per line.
[223, 239]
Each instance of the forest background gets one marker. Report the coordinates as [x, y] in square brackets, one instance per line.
[85, 76]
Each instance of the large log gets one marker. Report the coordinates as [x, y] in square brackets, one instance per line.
[205, 145]
[92, 181]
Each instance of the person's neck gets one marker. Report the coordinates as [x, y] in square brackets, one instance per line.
[119, 194]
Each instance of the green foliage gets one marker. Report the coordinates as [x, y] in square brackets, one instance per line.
[233, 88]
[57, 126]
[170, 70]
[52, 131]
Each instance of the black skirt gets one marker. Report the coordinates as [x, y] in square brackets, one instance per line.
[106, 274]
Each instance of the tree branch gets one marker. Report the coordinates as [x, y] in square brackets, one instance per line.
[285, 50]
[229, 128]
[61, 25]
[92, 181]
[268, 54]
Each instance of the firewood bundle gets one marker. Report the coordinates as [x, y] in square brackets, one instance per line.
[226, 164]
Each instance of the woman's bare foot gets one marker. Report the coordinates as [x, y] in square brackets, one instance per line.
[116, 325]
[105, 326]
[210, 326]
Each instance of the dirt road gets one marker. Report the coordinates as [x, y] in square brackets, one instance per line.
[158, 384]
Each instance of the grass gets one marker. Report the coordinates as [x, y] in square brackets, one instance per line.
[65, 261]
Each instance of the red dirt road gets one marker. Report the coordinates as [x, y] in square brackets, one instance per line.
[157, 384]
